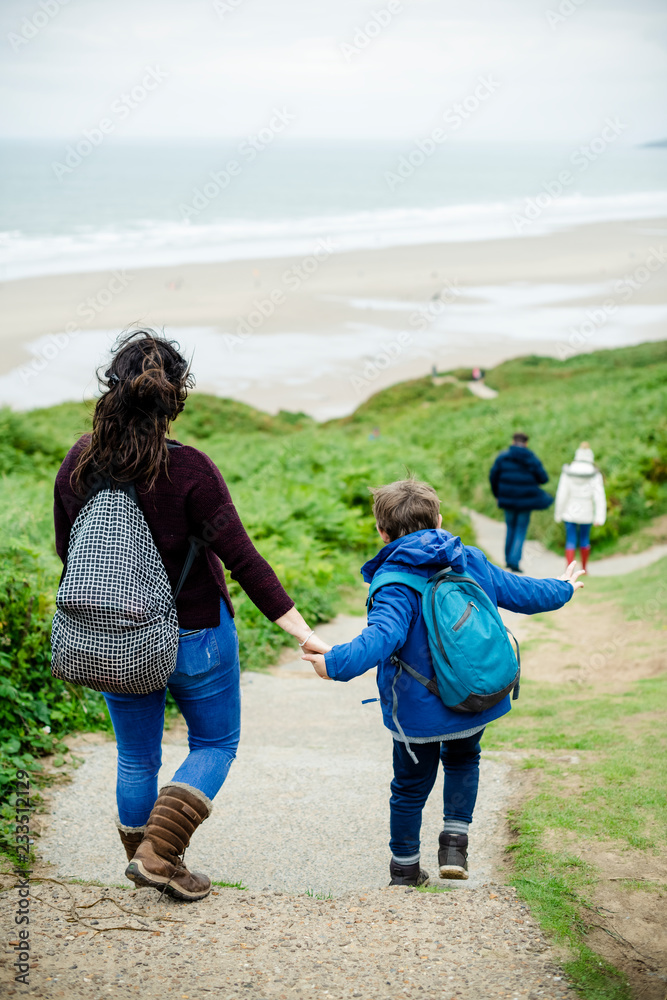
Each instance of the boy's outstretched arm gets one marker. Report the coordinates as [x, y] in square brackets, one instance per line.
[529, 595]
[389, 620]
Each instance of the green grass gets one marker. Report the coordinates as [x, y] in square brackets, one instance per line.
[618, 742]
[557, 888]
[230, 885]
[302, 492]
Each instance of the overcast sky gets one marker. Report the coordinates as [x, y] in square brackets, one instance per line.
[226, 68]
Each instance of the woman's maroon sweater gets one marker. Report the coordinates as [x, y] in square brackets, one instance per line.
[192, 500]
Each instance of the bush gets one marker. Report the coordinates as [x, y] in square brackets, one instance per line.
[36, 710]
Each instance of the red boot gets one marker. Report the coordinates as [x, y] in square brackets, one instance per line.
[585, 552]
[569, 556]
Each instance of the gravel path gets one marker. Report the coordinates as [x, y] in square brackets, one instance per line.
[482, 390]
[306, 802]
[304, 814]
[377, 945]
[538, 561]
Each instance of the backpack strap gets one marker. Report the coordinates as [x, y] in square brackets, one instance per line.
[394, 711]
[106, 483]
[417, 583]
[515, 691]
[428, 682]
[411, 580]
[195, 545]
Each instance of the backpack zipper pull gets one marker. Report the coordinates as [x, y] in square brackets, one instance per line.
[465, 616]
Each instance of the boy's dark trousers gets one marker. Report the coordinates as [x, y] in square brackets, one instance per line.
[413, 783]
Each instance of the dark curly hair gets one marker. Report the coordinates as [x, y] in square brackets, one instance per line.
[146, 386]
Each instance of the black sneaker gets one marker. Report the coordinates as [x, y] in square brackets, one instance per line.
[407, 874]
[453, 855]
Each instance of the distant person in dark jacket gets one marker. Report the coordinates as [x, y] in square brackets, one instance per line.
[515, 479]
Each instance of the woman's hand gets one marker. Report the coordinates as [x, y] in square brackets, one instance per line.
[571, 575]
[315, 645]
[295, 624]
[318, 663]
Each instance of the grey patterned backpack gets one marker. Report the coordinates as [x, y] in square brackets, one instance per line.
[115, 627]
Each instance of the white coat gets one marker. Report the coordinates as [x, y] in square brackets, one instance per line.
[580, 497]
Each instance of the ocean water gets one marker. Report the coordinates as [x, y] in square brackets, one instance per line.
[138, 204]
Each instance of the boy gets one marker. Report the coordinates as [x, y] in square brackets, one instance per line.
[408, 520]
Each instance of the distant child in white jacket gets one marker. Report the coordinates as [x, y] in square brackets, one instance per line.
[580, 502]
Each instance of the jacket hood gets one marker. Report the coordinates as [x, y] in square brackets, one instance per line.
[584, 455]
[430, 550]
[520, 453]
[580, 468]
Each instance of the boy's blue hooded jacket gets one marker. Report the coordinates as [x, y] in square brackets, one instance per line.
[395, 623]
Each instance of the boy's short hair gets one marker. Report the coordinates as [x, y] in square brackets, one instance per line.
[405, 506]
[520, 438]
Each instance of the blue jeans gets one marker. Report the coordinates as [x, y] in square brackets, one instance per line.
[413, 783]
[577, 534]
[517, 527]
[206, 687]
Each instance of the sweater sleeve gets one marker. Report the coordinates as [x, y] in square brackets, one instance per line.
[62, 524]
[216, 520]
[389, 622]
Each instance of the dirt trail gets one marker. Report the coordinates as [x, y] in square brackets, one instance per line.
[538, 561]
[303, 814]
[305, 804]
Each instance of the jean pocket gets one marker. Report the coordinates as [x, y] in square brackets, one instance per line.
[197, 652]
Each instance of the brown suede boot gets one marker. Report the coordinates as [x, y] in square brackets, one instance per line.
[131, 837]
[158, 860]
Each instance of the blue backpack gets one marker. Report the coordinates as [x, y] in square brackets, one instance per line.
[474, 662]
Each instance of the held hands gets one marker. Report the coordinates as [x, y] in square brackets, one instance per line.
[572, 574]
[313, 649]
[314, 645]
[319, 663]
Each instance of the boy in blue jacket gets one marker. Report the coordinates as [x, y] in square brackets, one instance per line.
[408, 519]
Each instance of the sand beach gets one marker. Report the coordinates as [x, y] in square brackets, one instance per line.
[323, 331]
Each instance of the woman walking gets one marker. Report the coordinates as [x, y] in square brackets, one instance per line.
[580, 502]
[182, 496]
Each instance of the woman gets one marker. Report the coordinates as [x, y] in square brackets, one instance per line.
[580, 503]
[182, 495]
